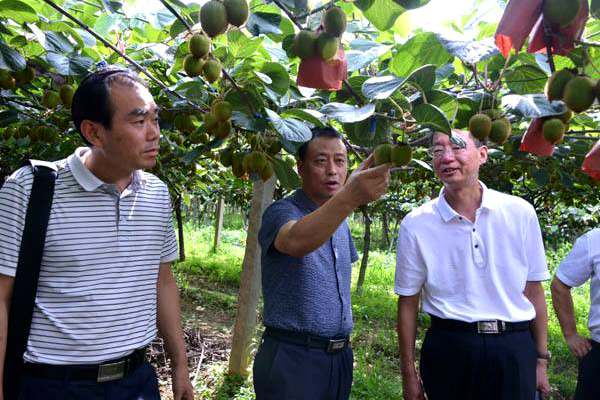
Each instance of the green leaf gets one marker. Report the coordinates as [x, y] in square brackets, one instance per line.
[69, 64]
[105, 23]
[10, 58]
[347, 113]
[364, 52]
[444, 101]
[18, 11]
[242, 46]
[293, 132]
[280, 79]
[469, 51]
[368, 133]
[262, 22]
[421, 49]
[533, 106]
[423, 164]
[432, 117]
[381, 13]
[311, 116]
[381, 87]
[286, 175]
[526, 79]
[423, 78]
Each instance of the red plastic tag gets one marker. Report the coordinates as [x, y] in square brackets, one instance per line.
[533, 140]
[318, 74]
[591, 163]
[563, 39]
[518, 20]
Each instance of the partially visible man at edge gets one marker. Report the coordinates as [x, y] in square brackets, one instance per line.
[476, 257]
[105, 282]
[307, 256]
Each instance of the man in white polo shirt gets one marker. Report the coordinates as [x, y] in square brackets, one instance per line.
[580, 265]
[105, 284]
[476, 257]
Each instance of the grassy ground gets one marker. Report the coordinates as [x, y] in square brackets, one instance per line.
[209, 283]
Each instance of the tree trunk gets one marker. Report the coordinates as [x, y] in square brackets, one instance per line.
[218, 223]
[394, 235]
[366, 247]
[245, 321]
[180, 228]
[385, 230]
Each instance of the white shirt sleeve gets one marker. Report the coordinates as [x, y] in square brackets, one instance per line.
[577, 267]
[411, 271]
[14, 199]
[534, 249]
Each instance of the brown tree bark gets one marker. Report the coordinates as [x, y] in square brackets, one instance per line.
[366, 247]
[246, 319]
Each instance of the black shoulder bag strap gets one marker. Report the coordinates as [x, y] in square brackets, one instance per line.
[28, 270]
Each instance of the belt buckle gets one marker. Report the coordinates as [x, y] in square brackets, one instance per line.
[111, 372]
[490, 327]
[336, 345]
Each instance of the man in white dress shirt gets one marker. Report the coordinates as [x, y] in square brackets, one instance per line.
[476, 257]
[580, 265]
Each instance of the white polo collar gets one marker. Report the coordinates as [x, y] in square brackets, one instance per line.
[90, 182]
[447, 212]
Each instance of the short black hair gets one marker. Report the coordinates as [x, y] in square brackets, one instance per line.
[318, 132]
[91, 100]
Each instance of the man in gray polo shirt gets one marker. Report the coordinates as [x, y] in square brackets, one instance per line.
[105, 282]
[307, 256]
[580, 265]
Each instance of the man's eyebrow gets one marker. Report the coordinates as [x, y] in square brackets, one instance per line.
[142, 112]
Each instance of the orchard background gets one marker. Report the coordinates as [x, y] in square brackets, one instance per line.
[410, 71]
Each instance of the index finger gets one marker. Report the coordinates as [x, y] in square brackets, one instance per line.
[366, 163]
[378, 170]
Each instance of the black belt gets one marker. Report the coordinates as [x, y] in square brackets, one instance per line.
[330, 345]
[107, 371]
[484, 327]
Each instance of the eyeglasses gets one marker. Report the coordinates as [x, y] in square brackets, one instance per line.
[438, 152]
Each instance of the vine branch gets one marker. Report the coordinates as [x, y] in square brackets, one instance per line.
[113, 48]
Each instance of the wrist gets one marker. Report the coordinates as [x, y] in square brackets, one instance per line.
[344, 200]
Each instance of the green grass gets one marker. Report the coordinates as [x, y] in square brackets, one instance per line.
[212, 279]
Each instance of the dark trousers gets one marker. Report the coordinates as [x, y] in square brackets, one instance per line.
[140, 384]
[285, 371]
[588, 381]
[470, 366]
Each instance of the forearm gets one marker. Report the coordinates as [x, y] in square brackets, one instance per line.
[407, 331]
[169, 320]
[4, 308]
[6, 288]
[311, 231]
[563, 306]
[539, 326]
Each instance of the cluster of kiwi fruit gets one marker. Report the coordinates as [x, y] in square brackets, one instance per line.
[490, 125]
[216, 15]
[198, 63]
[217, 122]
[257, 161]
[398, 154]
[35, 133]
[578, 92]
[10, 80]
[64, 96]
[215, 18]
[308, 44]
